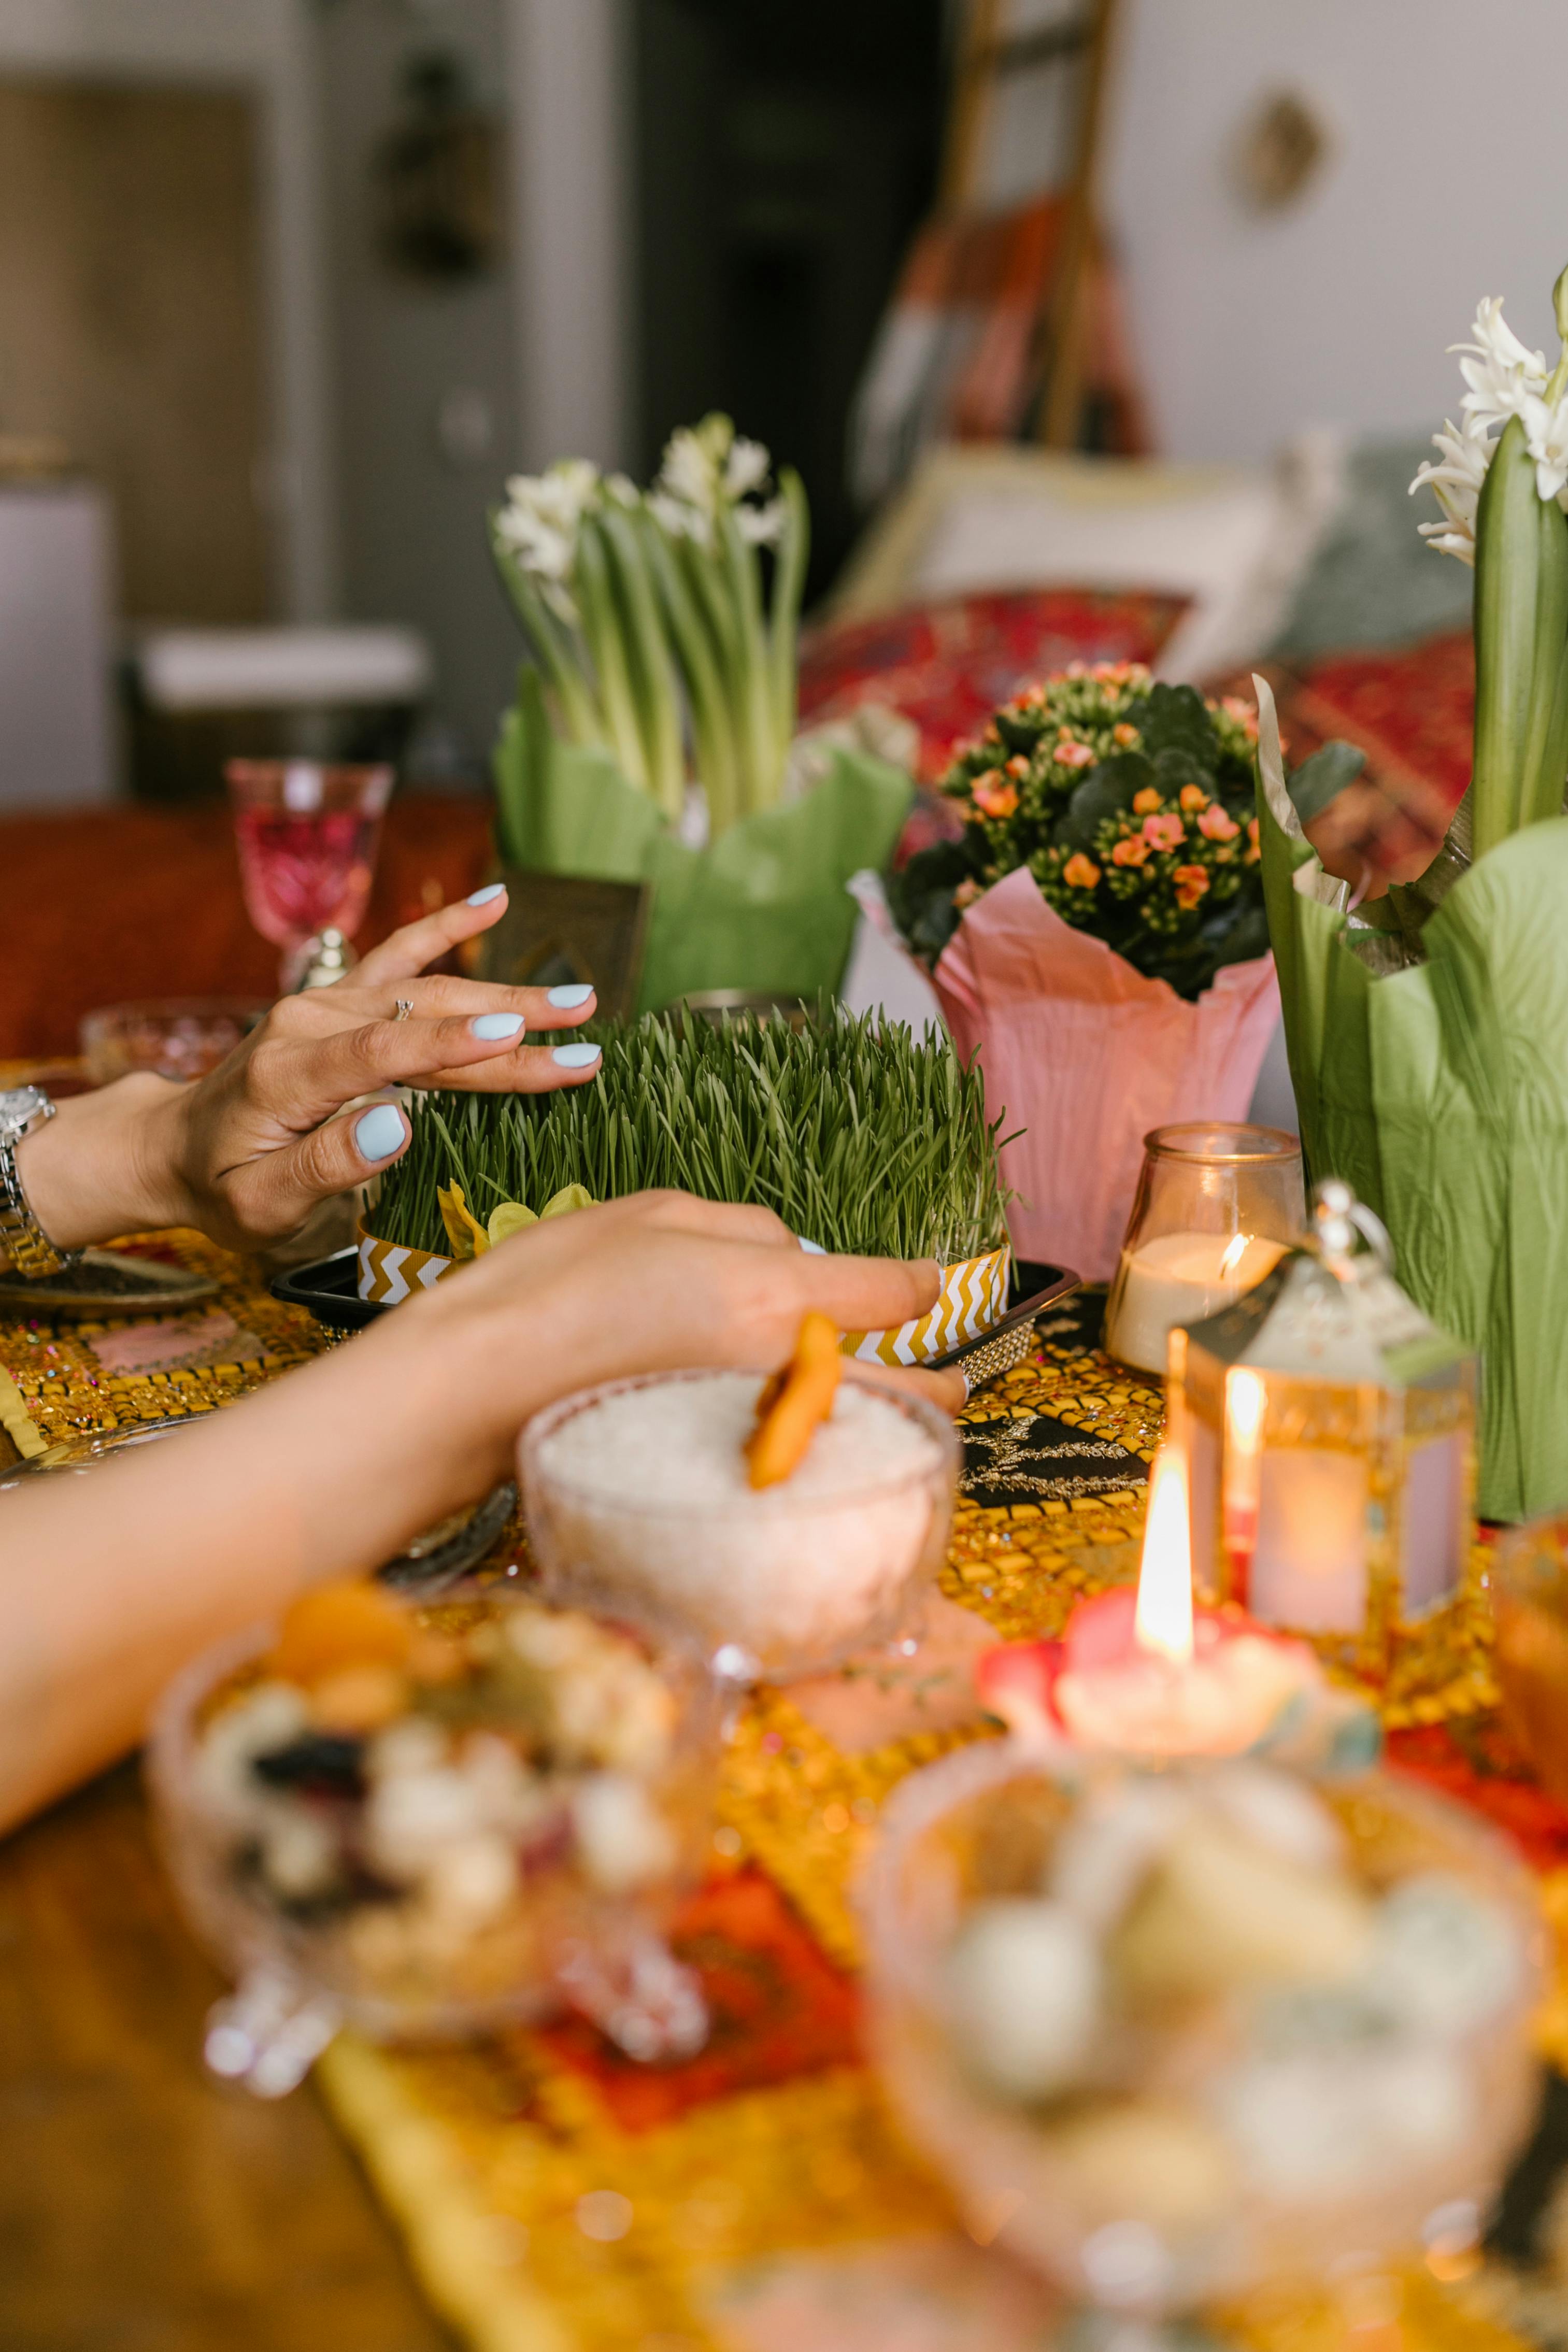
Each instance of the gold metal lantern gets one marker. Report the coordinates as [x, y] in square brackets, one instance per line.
[1330, 1431]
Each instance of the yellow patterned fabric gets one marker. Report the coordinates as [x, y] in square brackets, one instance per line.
[974, 1295]
[554, 2198]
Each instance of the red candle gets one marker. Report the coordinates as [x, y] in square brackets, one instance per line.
[1139, 1673]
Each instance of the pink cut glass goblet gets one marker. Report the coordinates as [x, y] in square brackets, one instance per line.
[308, 835]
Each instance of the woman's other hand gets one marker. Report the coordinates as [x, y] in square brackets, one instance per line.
[246, 1152]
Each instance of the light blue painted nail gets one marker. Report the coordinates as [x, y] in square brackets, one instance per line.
[577, 1057]
[380, 1133]
[488, 895]
[567, 1000]
[496, 1025]
[812, 1249]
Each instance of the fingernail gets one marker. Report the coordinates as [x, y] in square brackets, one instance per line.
[812, 1249]
[567, 1000]
[488, 895]
[496, 1025]
[577, 1057]
[379, 1132]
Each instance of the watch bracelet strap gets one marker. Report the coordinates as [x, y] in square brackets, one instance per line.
[22, 1239]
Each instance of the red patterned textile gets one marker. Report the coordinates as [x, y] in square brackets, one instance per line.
[946, 667]
[1412, 712]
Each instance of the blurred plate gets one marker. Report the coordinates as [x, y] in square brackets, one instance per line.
[107, 1282]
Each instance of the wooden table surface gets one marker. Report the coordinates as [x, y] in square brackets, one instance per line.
[141, 2208]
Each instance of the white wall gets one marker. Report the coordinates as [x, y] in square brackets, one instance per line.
[265, 45]
[1448, 181]
[571, 145]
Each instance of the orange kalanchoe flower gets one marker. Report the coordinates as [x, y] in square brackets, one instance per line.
[1217, 824]
[1073, 755]
[1165, 832]
[1080, 872]
[1253, 851]
[993, 795]
[1191, 882]
[1193, 797]
[1125, 735]
[1132, 850]
[1146, 802]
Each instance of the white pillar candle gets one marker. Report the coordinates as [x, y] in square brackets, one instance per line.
[1308, 1566]
[1180, 1278]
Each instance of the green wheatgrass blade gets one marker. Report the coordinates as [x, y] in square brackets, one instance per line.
[858, 1139]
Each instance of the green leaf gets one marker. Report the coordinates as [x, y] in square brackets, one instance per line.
[1510, 548]
[1174, 719]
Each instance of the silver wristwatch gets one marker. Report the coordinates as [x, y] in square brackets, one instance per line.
[22, 1239]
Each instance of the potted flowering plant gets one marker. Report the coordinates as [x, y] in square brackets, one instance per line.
[1428, 1026]
[654, 737]
[1097, 929]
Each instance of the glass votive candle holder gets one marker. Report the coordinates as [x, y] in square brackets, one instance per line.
[1529, 1598]
[179, 1037]
[1216, 1207]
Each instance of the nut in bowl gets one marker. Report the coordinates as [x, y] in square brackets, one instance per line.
[424, 1822]
[643, 1498]
[1173, 2035]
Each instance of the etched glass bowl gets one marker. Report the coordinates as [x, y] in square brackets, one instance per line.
[1150, 2157]
[426, 1959]
[780, 1583]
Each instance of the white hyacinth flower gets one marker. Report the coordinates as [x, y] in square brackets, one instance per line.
[540, 523]
[1500, 372]
[1456, 482]
[760, 526]
[690, 471]
[745, 467]
[1546, 437]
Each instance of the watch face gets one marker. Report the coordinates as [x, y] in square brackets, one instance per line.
[19, 1104]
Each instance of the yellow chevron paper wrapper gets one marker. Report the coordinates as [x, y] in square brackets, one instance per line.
[973, 1297]
[388, 1275]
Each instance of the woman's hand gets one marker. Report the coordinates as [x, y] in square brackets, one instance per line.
[246, 1152]
[655, 1283]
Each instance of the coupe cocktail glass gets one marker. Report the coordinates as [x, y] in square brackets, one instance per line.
[308, 835]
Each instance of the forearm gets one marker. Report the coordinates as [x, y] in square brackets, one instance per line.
[106, 1163]
[110, 1582]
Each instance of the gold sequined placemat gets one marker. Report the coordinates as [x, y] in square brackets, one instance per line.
[555, 2198]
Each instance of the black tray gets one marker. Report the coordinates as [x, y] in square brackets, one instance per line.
[329, 1288]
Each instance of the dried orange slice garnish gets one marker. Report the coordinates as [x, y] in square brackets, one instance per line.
[340, 1626]
[794, 1402]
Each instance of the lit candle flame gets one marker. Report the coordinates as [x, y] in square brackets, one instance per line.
[1231, 1256]
[1163, 1620]
[1244, 1397]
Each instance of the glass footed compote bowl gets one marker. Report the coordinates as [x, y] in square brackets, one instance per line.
[450, 1871]
[1175, 2035]
[308, 835]
[637, 1503]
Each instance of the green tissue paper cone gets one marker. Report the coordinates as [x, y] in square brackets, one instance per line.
[1440, 1093]
[763, 907]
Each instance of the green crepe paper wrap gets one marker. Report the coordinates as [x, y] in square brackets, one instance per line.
[1440, 1092]
[765, 906]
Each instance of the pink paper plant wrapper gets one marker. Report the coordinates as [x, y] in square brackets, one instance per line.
[1087, 1055]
